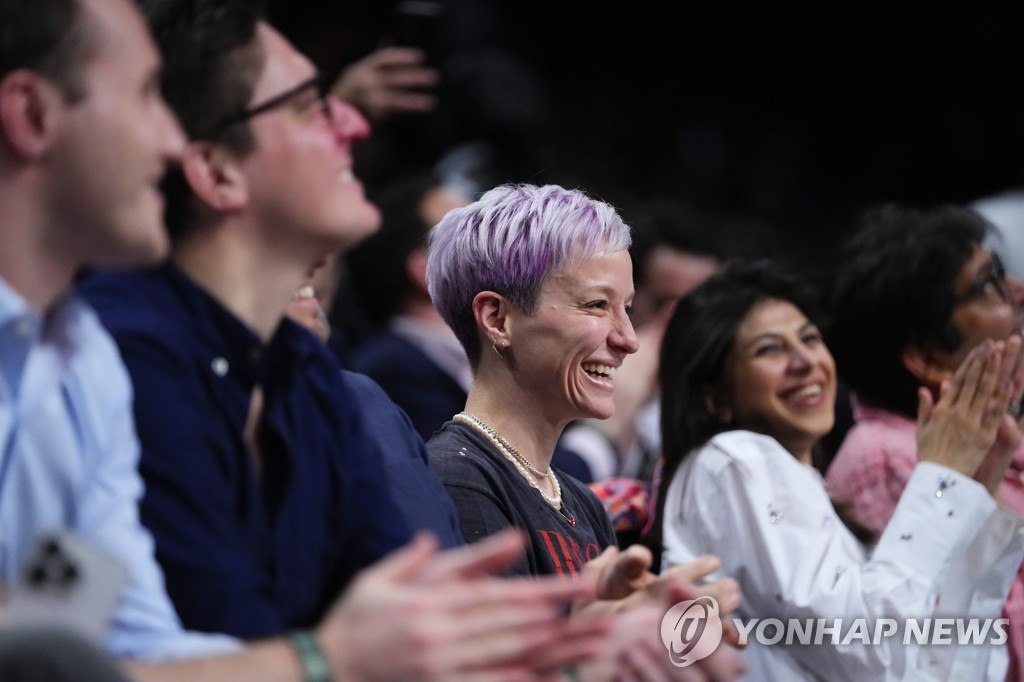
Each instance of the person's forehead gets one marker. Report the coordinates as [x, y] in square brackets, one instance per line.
[120, 47]
[667, 266]
[979, 259]
[283, 65]
[604, 270]
[771, 315]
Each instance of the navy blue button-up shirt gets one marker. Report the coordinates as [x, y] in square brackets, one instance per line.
[245, 552]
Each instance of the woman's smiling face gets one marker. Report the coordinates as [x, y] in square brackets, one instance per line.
[780, 378]
[567, 352]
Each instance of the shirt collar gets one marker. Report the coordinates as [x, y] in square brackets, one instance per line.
[22, 327]
[438, 344]
[233, 346]
[236, 348]
[13, 307]
[866, 410]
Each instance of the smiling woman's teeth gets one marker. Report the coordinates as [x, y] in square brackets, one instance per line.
[602, 371]
[811, 391]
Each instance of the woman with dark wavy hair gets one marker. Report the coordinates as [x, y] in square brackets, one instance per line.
[748, 391]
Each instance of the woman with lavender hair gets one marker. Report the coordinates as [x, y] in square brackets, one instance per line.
[537, 283]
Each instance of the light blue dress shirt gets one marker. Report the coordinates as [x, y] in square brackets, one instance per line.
[68, 460]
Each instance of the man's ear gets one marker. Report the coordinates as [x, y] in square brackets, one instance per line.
[929, 366]
[416, 270]
[214, 176]
[29, 108]
[491, 313]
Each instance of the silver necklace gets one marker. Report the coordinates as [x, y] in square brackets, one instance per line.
[494, 435]
[520, 462]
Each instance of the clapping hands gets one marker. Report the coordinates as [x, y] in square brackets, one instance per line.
[970, 428]
[637, 601]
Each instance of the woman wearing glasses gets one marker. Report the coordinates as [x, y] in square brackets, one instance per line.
[916, 291]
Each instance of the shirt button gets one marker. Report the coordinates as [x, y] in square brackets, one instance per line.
[219, 366]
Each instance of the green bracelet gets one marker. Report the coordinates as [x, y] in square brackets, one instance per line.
[572, 673]
[311, 657]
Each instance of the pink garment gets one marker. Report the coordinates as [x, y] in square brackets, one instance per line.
[867, 477]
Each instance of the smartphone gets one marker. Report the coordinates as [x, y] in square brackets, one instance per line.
[69, 583]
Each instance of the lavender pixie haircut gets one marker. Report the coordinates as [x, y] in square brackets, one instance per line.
[510, 241]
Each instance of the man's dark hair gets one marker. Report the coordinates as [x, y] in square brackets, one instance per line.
[51, 38]
[377, 266]
[667, 222]
[211, 64]
[893, 289]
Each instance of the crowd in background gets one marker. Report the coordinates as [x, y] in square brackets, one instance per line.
[785, 118]
[722, 310]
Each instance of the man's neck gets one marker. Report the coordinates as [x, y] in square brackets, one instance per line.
[27, 261]
[253, 284]
[422, 310]
[41, 285]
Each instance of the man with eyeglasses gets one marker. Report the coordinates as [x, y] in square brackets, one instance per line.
[915, 290]
[264, 492]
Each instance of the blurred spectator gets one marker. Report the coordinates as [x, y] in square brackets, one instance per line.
[674, 250]
[1006, 211]
[414, 356]
[490, 125]
[914, 293]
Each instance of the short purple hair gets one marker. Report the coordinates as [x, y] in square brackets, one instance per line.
[510, 241]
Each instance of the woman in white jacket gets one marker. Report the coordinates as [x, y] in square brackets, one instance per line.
[748, 391]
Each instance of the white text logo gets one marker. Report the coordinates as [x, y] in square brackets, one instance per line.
[691, 630]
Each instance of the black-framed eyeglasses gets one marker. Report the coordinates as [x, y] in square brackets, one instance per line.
[993, 279]
[317, 84]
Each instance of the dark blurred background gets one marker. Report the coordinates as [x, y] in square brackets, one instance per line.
[785, 122]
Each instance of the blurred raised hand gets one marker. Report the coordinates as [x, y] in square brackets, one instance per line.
[388, 82]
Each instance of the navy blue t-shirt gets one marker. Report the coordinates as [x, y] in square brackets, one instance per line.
[490, 495]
